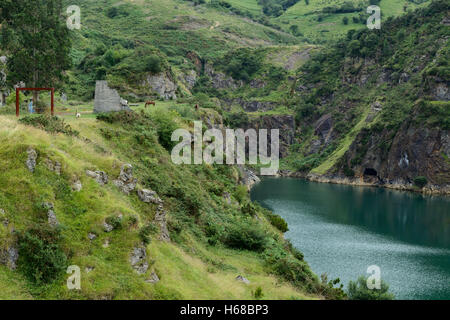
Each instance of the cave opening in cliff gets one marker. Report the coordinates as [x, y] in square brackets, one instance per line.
[370, 172]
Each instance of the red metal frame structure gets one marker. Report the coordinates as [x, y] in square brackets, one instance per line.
[34, 89]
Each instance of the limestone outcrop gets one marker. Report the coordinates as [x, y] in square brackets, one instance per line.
[162, 85]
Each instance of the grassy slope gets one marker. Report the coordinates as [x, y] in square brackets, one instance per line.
[305, 17]
[188, 269]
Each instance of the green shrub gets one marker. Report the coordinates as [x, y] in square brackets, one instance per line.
[153, 64]
[115, 222]
[359, 291]
[165, 127]
[420, 181]
[146, 232]
[278, 222]
[249, 208]
[41, 259]
[245, 237]
[258, 294]
[123, 117]
[50, 124]
[241, 193]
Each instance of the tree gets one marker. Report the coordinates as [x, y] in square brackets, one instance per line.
[358, 290]
[35, 36]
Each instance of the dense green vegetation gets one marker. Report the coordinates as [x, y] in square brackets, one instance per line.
[378, 68]
[358, 290]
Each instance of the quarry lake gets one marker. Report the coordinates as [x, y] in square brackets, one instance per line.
[342, 230]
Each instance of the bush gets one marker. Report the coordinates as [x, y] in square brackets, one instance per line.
[241, 193]
[258, 293]
[153, 64]
[146, 232]
[359, 291]
[420, 181]
[165, 127]
[249, 208]
[41, 259]
[122, 117]
[245, 237]
[115, 222]
[278, 222]
[50, 124]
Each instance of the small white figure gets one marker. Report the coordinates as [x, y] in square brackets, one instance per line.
[78, 115]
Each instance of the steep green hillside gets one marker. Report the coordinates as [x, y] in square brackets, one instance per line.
[55, 213]
[118, 36]
[374, 109]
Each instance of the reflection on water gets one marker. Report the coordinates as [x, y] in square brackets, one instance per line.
[344, 229]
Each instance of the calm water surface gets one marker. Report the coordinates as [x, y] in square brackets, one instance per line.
[342, 230]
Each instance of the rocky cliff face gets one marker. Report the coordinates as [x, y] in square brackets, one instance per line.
[220, 80]
[379, 159]
[163, 85]
[286, 125]
[251, 105]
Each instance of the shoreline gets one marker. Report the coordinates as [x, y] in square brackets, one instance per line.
[427, 190]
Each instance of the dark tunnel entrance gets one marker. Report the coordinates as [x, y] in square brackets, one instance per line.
[370, 172]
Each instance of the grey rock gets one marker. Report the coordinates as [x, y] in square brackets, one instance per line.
[107, 227]
[404, 77]
[315, 146]
[252, 105]
[54, 166]
[9, 257]
[77, 186]
[153, 278]
[160, 219]
[106, 243]
[190, 78]
[220, 80]
[107, 99]
[138, 260]
[324, 127]
[441, 92]
[257, 84]
[52, 220]
[162, 85]
[92, 236]
[149, 196]
[51, 216]
[100, 176]
[125, 181]
[31, 160]
[249, 178]
[89, 269]
[242, 279]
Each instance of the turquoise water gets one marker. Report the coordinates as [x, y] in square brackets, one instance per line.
[342, 230]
